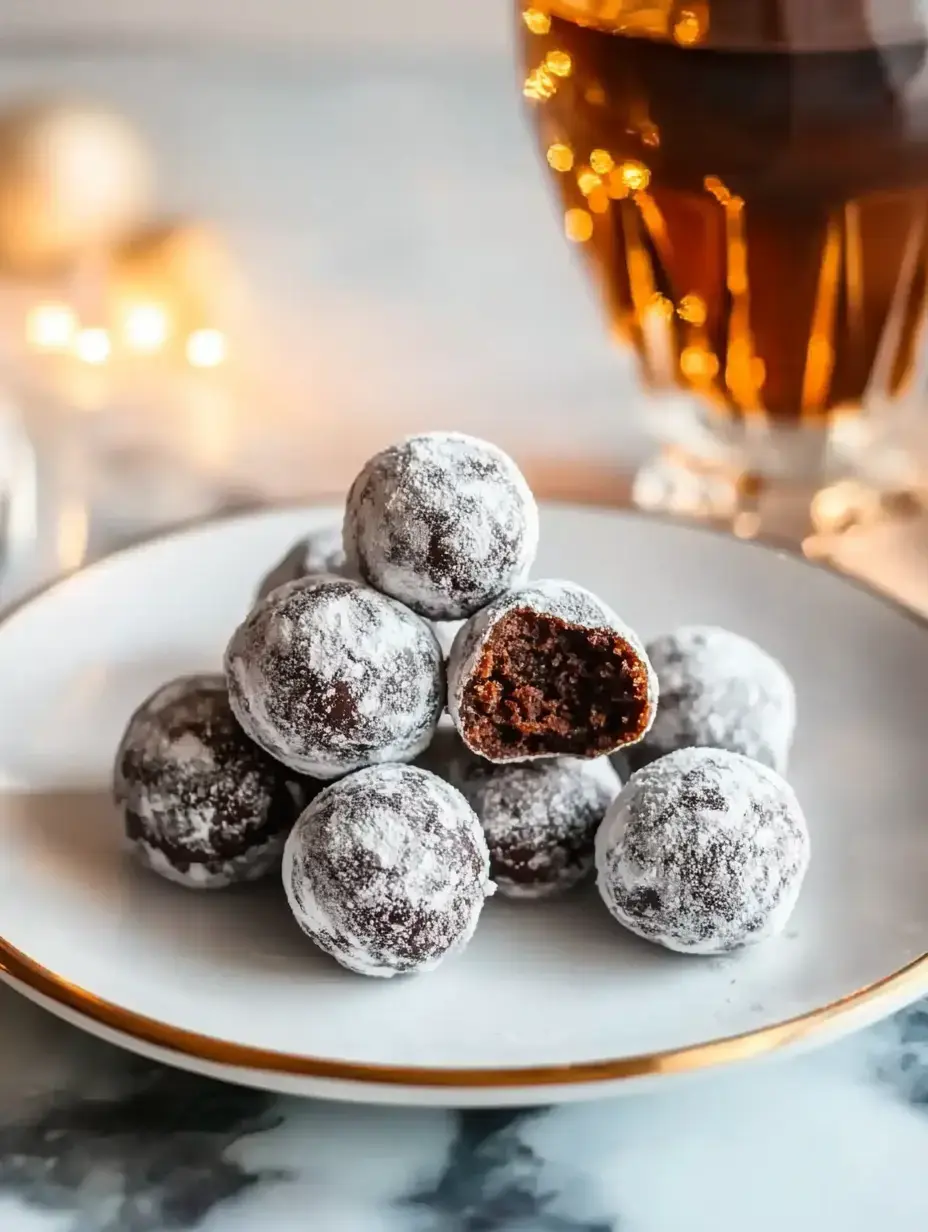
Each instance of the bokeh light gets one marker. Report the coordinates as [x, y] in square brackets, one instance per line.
[692, 309]
[560, 156]
[688, 28]
[578, 225]
[146, 327]
[93, 346]
[698, 364]
[635, 175]
[601, 161]
[559, 63]
[536, 21]
[587, 180]
[50, 327]
[539, 85]
[206, 348]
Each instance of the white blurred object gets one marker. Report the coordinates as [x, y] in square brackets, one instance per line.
[73, 177]
[18, 498]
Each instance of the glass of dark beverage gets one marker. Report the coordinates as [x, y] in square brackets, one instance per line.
[748, 182]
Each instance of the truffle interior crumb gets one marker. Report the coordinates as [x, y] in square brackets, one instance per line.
[543, 685]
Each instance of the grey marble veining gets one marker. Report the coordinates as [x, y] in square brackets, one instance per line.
[94, 1140]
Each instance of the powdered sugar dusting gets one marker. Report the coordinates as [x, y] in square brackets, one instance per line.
[703, 851]
[720, 690]
[191, 751]
[539, 818]
[203, 805]
[328, 676]
[387, 870]
[320, 551]
[252, 865]
[564, 601]
[442, 521]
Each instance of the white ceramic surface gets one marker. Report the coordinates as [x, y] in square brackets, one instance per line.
[544, 986]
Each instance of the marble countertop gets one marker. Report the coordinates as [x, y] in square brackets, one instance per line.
[94, 1140]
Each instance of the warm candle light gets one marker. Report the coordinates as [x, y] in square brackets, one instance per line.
[536, 21]
[146, 327]
[93, 346]
[206, 348]
[635, 175]
[50, 327]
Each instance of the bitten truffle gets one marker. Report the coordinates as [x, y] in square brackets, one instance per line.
[718, 690]
[443, 522]
[329, 676]
[387, 871]
[704, 851]
[549, 670]
[320, 552]
[539, 818]
[202, 804]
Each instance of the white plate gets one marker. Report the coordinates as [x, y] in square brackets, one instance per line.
[552, 1000]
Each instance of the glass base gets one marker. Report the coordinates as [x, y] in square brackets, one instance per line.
[804, 485]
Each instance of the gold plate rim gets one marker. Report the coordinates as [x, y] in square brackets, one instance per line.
[912, 978]
[899, 986]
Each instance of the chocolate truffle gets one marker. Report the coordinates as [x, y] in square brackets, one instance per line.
[387, 870]
[329, 676]
[539, 818]
[322, 552]
[443, 522]
[718, 690]
[703, 851]
[547, 670]
[202, 804]
[319, 552]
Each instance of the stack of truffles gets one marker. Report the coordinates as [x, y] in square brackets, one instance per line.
[324, 742]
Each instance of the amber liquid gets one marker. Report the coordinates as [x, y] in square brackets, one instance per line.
[756, 221]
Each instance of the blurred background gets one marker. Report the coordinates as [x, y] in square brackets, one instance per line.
[244, 245]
